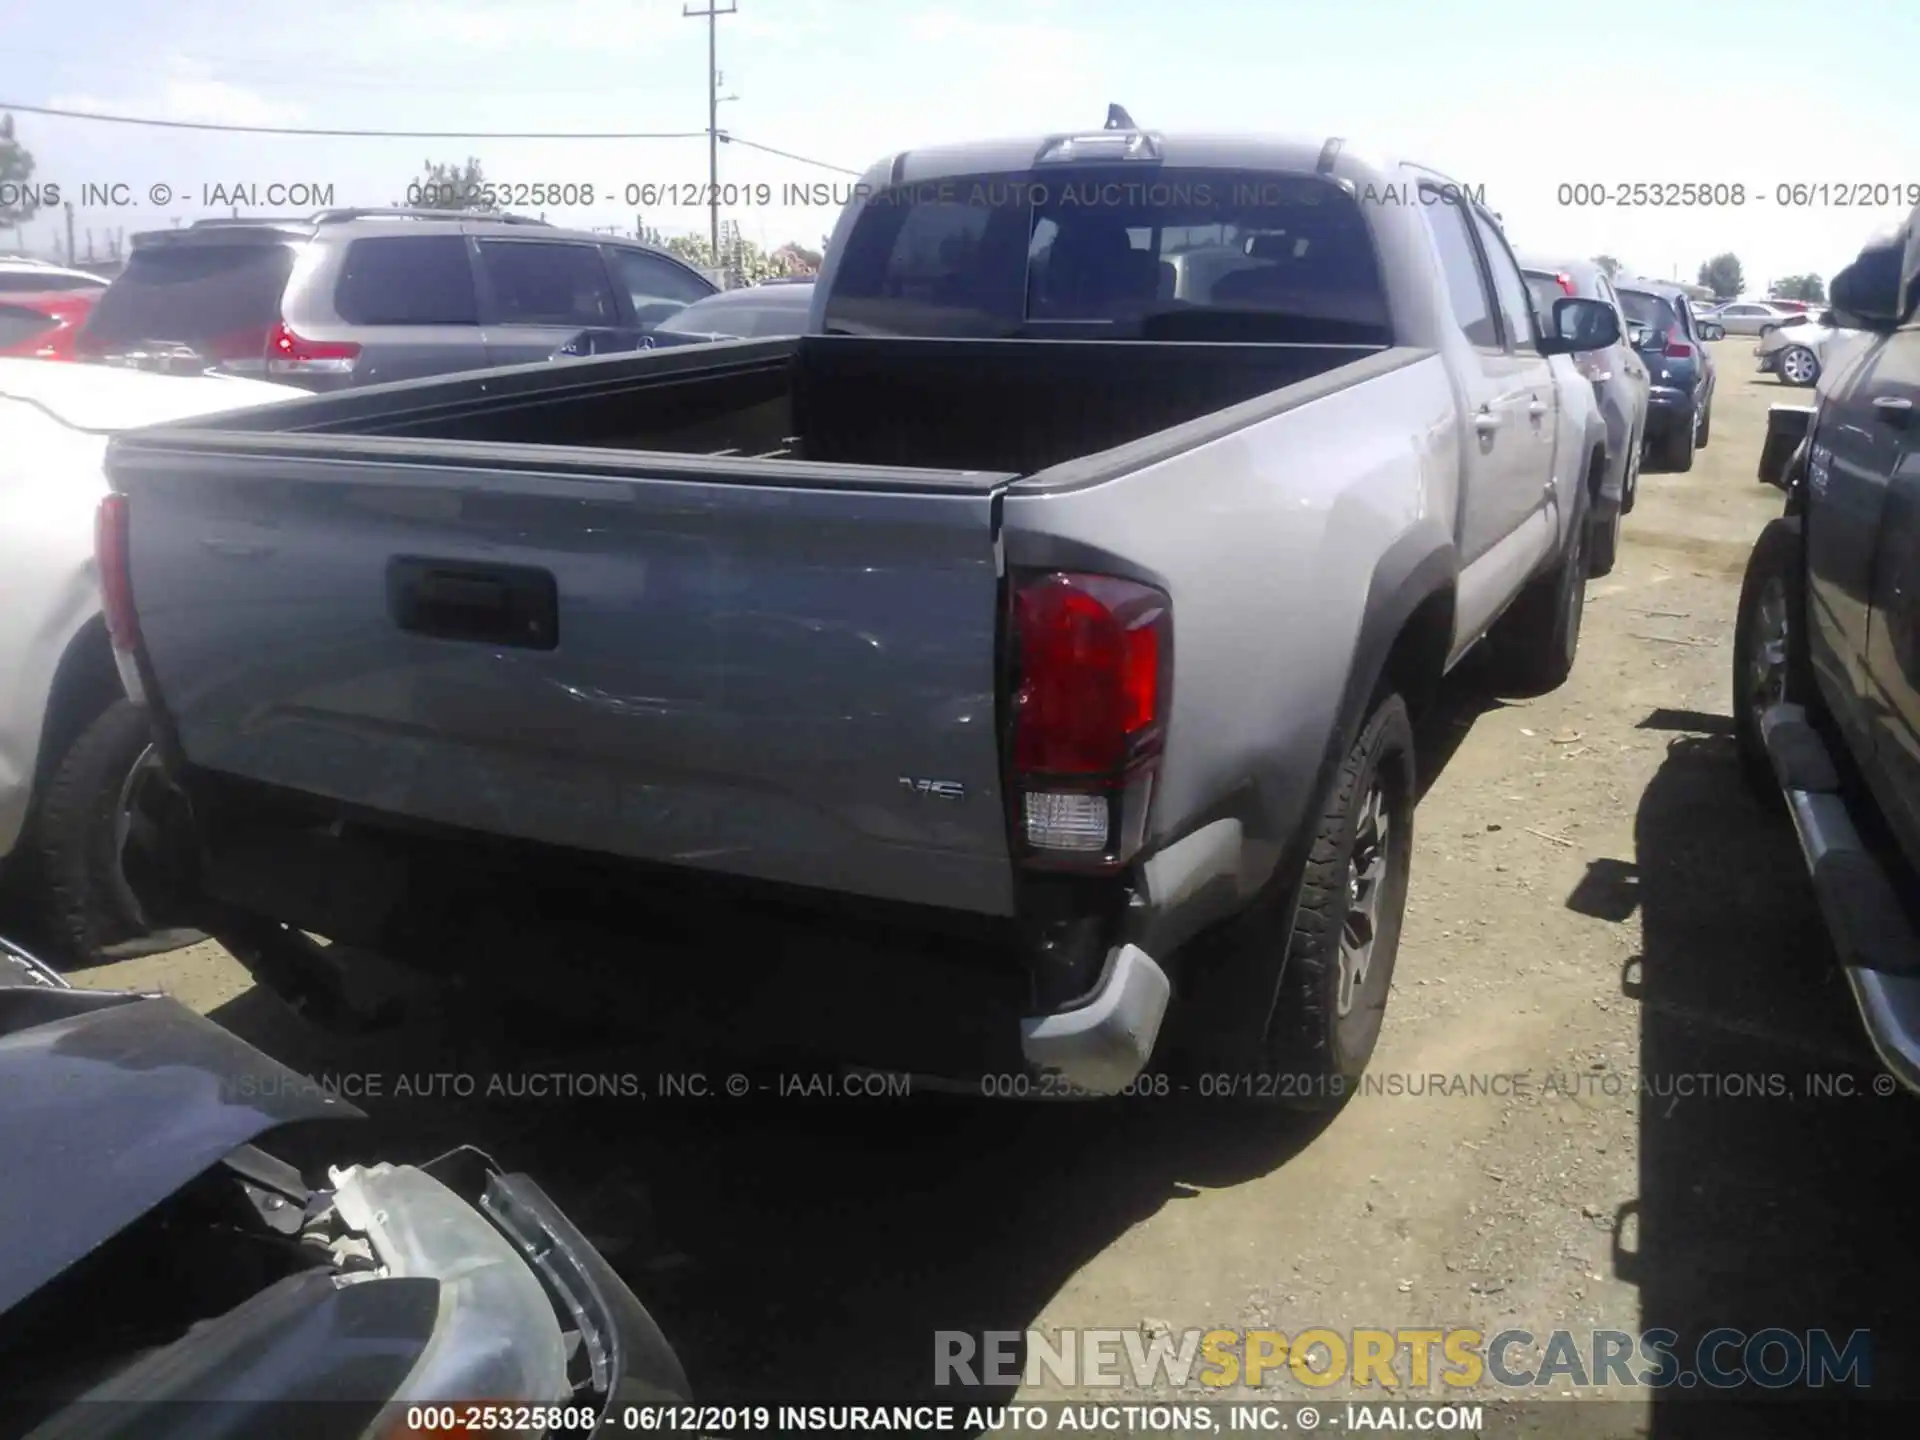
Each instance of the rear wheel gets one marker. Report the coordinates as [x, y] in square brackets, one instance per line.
[1315, 968]
[1770, 664]
[1677, 446]
[1799, 366]
[98, 806]
[1603, 546]
[1630, 487]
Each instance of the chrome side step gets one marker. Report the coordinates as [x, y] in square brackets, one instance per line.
[1872, 934]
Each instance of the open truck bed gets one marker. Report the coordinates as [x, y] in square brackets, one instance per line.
[711, 607]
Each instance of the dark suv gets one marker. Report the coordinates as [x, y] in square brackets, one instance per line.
[1827, 645]
[356, 297]
[1680, 402]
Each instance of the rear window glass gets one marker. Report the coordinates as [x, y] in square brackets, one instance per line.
[407, 280]
[1161, 254]
[1645, 309]
[193, 293]
[544, 283]
[1545, 290]
[19, 325]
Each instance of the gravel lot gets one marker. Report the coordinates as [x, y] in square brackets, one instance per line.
[1595, 898]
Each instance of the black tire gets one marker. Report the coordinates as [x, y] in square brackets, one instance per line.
[1603, 547]
[1536, 641]
[1676, 447]
[1777, 565]
[1706, 429]
[1288, 1043]
[1630, 487]
[86, 908]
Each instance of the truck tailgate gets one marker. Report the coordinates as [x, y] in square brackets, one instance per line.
[755, 673]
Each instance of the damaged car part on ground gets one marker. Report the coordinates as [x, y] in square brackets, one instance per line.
[220, 1293]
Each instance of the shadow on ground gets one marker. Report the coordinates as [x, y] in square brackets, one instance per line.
[1776, 1186]
[797, 1247]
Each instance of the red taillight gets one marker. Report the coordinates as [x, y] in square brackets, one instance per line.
[1678, 350]
[1093, 660]
[291, 354]
[112, 558]
[1566, 283]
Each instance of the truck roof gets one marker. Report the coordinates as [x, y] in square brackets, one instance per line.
[1282, 154]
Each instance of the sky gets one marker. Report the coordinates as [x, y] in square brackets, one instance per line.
[1524, 99]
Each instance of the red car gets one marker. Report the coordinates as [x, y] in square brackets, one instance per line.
[43, 325]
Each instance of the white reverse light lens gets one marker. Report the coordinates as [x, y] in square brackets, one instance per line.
[1067, 822]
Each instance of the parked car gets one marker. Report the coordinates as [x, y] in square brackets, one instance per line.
[1753, 317]
[20, 275]
[1827, 645]
[1620, 382]
[41, 324]
[357, 297]
[753, 312]
[1681, 370]
[165, 1277]
[1798, 348]
[1704, 324]
[73, 749]
[900, 665]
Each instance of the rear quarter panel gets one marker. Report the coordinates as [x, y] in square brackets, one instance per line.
[50, 483]
[1268, 539]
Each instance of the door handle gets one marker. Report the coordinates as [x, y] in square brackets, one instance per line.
[508, 605]
[1894, 409]
[1486, 422]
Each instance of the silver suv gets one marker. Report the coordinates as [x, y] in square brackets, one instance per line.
[356, 297]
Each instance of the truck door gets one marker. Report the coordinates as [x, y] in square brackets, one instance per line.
[1496, 489]
[1535, 395]
[1892, 659]
[1850, 462]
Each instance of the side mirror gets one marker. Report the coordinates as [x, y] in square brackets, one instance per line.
[1868, 290]
[1578, 325]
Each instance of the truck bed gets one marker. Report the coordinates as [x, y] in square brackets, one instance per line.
[1008, 407]
[734, 607]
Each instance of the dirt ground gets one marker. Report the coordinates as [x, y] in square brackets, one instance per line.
[1608, 940]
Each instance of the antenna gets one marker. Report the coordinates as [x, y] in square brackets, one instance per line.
[1118, 119]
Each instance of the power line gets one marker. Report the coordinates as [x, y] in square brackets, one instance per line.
[357, 134]
[722, 136]
[726, 139]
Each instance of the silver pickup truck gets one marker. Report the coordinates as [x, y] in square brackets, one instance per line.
[1030, 645]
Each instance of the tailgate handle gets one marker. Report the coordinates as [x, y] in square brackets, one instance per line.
[515, 605]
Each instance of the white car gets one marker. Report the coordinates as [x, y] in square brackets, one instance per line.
[73, 750]
[1799, 351]
[20, 275]
[1752, 317]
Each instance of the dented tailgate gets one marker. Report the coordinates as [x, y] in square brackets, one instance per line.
[790, 680]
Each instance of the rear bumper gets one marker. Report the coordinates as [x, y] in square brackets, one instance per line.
[1102, 1045]
[1873, 936]
[835, 977]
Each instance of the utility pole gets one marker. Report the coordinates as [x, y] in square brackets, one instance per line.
[711, 14]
